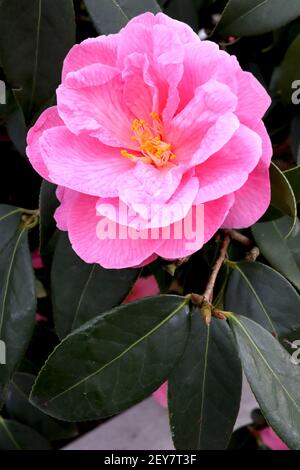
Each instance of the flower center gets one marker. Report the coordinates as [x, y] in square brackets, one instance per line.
[155, 150]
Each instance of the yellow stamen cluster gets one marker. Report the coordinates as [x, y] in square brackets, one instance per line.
[154, 149]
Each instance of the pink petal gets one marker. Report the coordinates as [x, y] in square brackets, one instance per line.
[271, 440]
[205, 124]
[228, 169]
[85, 229]
[253, 100]
[253, 199]
[141, 94]
[100, 50]
[144, 287]
[178, 206]
[48, 119]
[184, 31]
[37, 261]
[147, 185]
[82, 163]
[91, 76]
[99, 111]
[168, 58]
[202, 222]
[161, 395]
[204, 61]
[65, 197]
[147, 261]
[154, 215]
[164, 52]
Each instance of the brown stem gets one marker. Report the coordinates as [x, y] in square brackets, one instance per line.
[208, 294]
[239, 237]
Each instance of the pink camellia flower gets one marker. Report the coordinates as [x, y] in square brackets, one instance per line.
[37, 261]
[271, 440]
[154, 123]
[144, 287]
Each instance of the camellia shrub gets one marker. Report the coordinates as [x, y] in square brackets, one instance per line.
[149, 144]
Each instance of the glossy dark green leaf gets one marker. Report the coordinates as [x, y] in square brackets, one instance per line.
[16, 436]
[205, 388]
[274, 380]
[82, 291]
[35, 38]
[109, 16]
[19, 408]
[115, 360]
[283, 197]
[15, 123]
[183, 11]
[48, 204]
[293, 177]
[262, 294]
[295, 134]
[17, 292]
[10, 218]
[253, 17]
[282, 253]
[290, 72]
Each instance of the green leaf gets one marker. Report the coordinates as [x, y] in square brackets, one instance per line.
[260, 293]
[16, 436]
[290, 71]
[17, 292]
[295, 136]
[18, 406]
[274, 380]
[293, 177]
[253, 17]
[15, 123]
[114, 361]
[109, 16]
[82, 291]
[35, 38]
[48, 203]
[282, 253]
[183, 11]
[283, 197]
[205, 388]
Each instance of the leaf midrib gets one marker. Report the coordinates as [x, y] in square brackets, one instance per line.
[119, 356]
[11, 437]
[86, 284]
[248, 335]
[8, 278]
[117, 5]
[203, 386]
[257, 298]
[249, 12]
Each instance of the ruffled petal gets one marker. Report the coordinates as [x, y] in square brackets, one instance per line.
[82, 163]
[204, 62]
[65, 197]
[253, 100]
[228, 169]
[100, 50]
[205, 125]
[154, 215]
[98, 111]
[199, 226]
[253, 199]
[95, 239]
[48, 119]
[184, 31]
